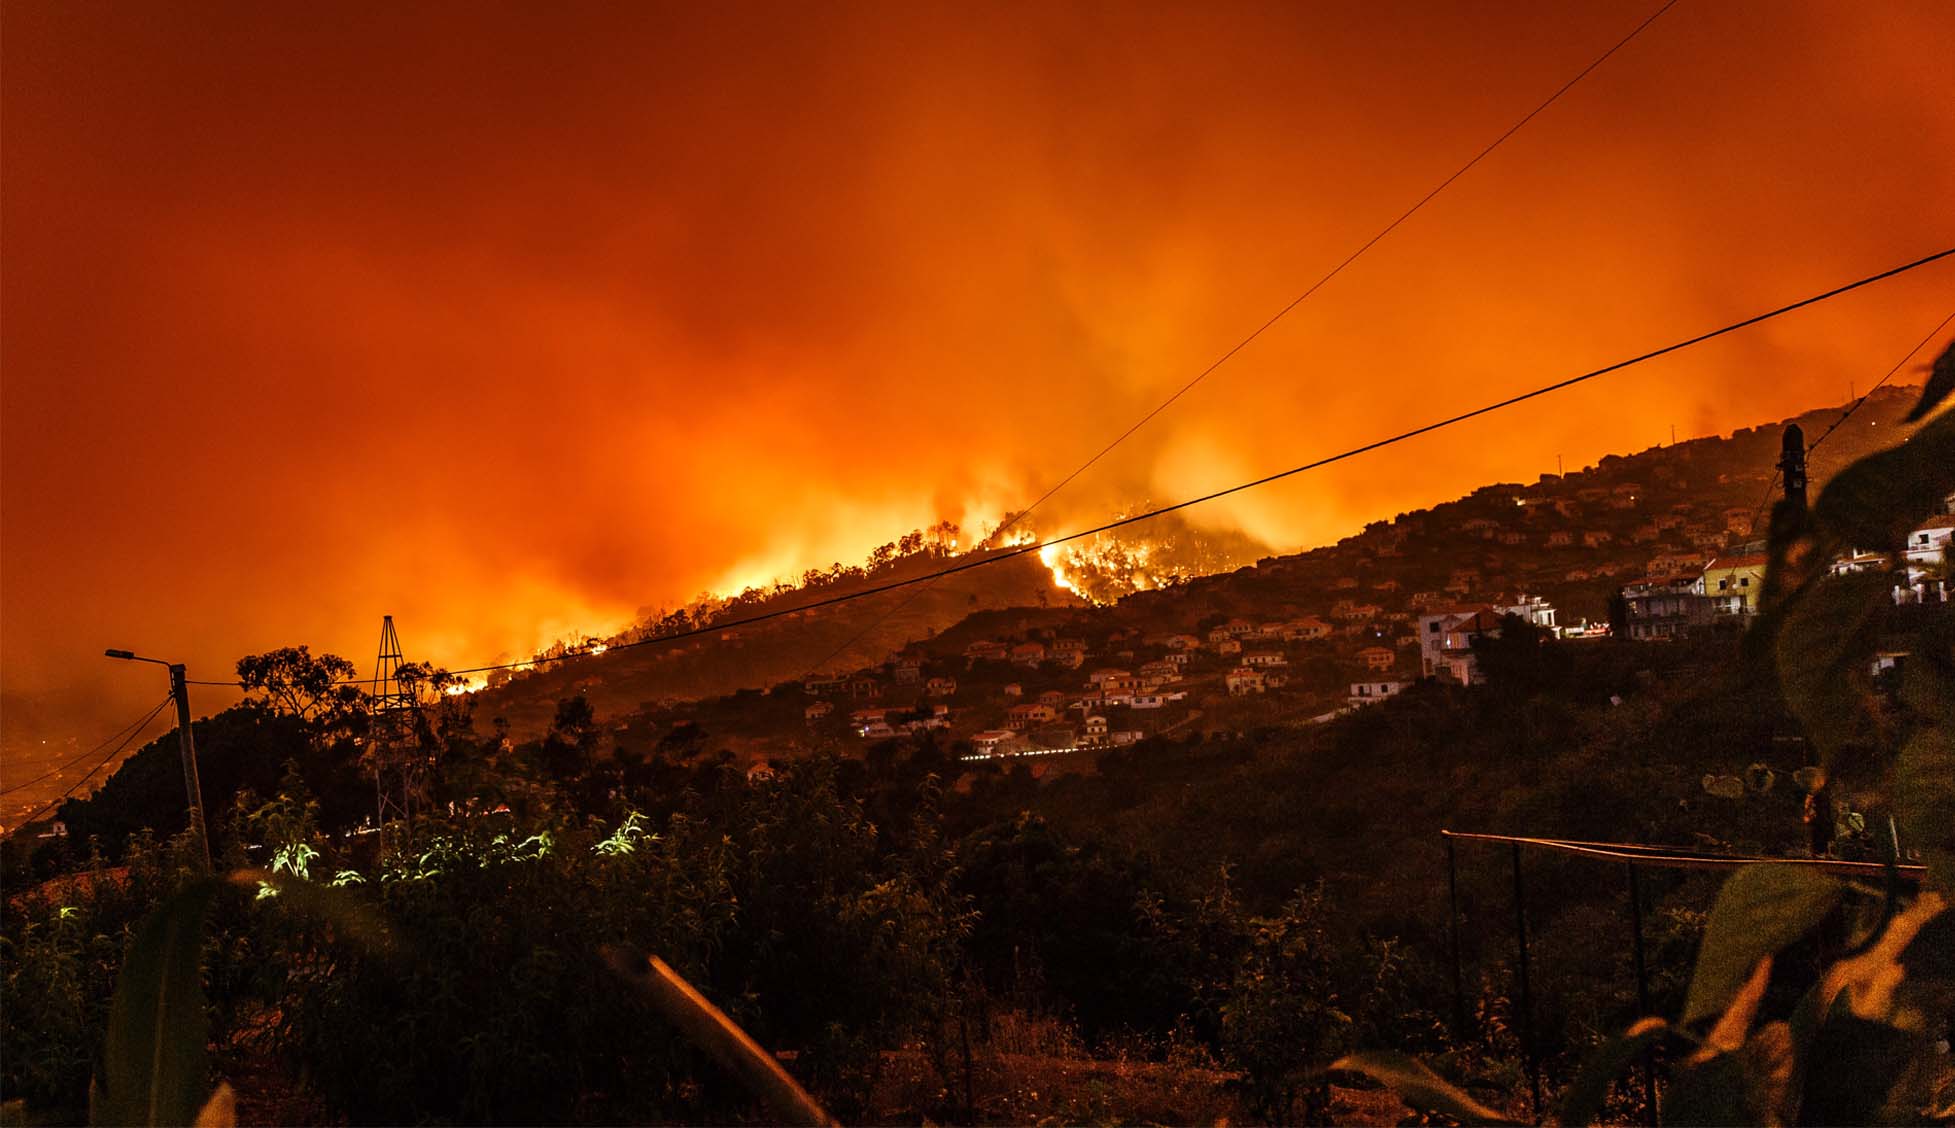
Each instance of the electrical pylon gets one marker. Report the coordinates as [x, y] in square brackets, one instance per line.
[393, 753]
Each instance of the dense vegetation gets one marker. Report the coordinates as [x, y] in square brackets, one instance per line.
[1239, 898]
[913, 933]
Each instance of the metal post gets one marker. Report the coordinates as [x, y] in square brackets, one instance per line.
[1452, 935]
[1642, 991]
[187, 744]
[1527, 996]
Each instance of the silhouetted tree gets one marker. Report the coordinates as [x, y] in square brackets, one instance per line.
[296, 683]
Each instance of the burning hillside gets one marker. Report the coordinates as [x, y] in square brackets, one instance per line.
[1161, 553]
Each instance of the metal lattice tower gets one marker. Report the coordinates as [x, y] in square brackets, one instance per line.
[393, 754]
[387, 695]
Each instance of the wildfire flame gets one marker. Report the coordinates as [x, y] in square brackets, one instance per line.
[1054, 559]
[1108, 566]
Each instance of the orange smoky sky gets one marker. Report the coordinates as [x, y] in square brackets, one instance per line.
[511, 320]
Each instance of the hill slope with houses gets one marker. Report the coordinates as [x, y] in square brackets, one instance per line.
[1020, 667]
[1297, 638]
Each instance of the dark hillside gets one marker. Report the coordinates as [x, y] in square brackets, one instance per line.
[847, 636]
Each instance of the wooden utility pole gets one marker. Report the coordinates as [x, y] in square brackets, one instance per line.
[1792, 464]
[187, 744]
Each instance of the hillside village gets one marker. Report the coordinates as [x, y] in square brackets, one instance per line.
[1647, 547]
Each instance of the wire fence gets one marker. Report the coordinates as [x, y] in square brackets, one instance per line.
[1634, 859]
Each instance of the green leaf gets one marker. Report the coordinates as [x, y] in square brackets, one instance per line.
[1825, 649]
[1853, 1064]
[1930, 956]
[1602, 1066]
[1710, 1093]
[1873, 503]
[1928, 678]
[1418, 1086]
[1924, 796]
[353, 918]
[156, 1067]
[220, 1111]
[1760, 910]
[1941, 381]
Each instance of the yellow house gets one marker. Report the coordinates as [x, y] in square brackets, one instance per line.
[1733, 583]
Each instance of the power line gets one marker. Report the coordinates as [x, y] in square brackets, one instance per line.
[59, 768]
[1348, 259]
[106, 760]
[1759, 509]
[1319, 284]
[1855, 406]
[1020, 550]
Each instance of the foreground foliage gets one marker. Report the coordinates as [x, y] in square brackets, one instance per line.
[1253, 908]
[1865, 1041]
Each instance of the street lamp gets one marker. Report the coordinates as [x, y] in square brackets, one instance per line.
[186, 743]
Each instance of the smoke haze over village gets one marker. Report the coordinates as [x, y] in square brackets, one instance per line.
[512, 330]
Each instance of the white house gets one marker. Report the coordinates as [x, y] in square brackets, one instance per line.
[1929, 546]
[1446, 642]
[997, 742]
[1367, 693]
[1530, 609]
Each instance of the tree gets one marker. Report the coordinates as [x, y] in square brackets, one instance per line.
[572, 743]
[1284, 1017]
[293, 682]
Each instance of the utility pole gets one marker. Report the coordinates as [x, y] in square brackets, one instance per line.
[1792, 464]
[186, 744]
